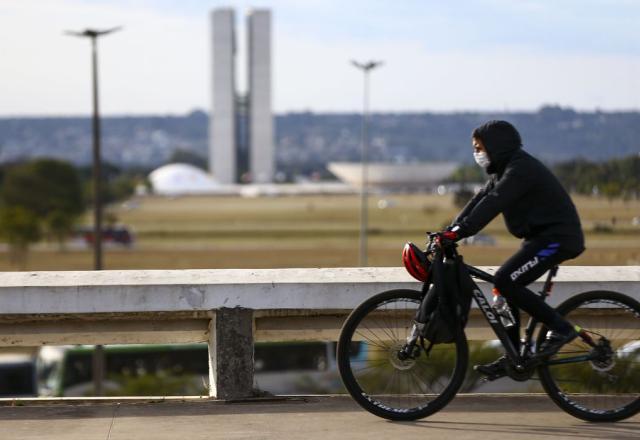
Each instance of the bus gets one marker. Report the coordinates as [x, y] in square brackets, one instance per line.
[18, 375]
[183, 369]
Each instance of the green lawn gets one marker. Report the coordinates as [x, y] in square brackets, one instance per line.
[315, 231]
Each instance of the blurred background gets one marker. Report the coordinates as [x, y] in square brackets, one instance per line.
[234, 134]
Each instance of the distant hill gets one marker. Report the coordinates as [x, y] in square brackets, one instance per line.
[307, 141]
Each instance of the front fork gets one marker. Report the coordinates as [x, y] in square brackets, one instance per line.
[410, 349]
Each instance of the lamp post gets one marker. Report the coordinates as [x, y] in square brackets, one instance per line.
[364, 153]
[93, 34]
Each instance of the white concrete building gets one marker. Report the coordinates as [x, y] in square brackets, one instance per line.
[261, 148]
[411, 176]
[224, 160]
[222, 130]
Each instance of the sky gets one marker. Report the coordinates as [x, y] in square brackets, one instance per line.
[439, 56]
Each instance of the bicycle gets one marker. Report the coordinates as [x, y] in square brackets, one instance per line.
[389, 370]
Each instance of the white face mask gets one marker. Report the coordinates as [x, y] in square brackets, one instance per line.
[482, 158]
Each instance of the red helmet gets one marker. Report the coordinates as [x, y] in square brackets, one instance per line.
[416, 262]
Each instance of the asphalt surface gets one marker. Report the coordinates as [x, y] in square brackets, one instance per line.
[308, 418]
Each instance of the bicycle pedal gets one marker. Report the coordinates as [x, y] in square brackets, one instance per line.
[486, 379]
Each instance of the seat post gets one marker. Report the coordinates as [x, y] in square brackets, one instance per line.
[548, 284]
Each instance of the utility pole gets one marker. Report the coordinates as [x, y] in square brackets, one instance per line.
[93, 34]
[366, 68]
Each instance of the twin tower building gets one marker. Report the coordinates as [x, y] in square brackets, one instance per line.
[241, 145]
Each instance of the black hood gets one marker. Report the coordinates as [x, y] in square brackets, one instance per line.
[502, 140]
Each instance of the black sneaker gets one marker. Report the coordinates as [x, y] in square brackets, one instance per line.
[555, 341]
[494, 370]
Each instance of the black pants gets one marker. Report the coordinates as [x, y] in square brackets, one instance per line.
[534, 258]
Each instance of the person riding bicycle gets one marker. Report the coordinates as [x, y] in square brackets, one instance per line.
[536, 208]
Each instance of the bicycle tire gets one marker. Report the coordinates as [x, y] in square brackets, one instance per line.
[605, 390]
[377, 328]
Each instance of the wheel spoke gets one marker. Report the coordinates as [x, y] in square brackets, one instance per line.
[605, 387]
[382, 381]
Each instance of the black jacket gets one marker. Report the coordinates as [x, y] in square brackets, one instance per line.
[533, 202]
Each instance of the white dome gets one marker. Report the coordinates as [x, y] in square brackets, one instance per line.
[180, 178]
[390, 175]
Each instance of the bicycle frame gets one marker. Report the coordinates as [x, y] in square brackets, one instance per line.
[517, 358]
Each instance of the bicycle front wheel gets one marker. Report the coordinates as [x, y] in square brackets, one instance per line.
[605, 385]
[380, 380]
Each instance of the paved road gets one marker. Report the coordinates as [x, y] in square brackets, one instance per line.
[467, 417]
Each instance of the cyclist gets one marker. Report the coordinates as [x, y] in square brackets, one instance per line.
[536, 208]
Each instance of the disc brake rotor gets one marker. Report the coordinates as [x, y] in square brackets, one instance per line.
[400, 364]
[606, 359]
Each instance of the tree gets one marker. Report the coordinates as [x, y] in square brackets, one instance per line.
[614, 178]
[59, 224]
[464, 175]
[117, 184]
[462, 197]
[468, 174]
[43, 186]
[191, 157]
[611, 190]
[46, 190]
[20, 227]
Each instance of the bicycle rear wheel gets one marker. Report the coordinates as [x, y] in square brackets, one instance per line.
[378, 379]
[605, 388]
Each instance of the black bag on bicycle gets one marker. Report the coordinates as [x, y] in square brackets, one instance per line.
[445, 309]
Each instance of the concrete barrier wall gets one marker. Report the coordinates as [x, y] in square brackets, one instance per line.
[261, 289]
[111, 307]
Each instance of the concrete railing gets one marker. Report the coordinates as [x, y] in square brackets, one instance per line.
[228, 309]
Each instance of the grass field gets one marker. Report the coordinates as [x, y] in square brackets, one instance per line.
[315, 231]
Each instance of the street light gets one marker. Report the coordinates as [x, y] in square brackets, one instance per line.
[98, 356]
[366, 68]
[97, 164]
